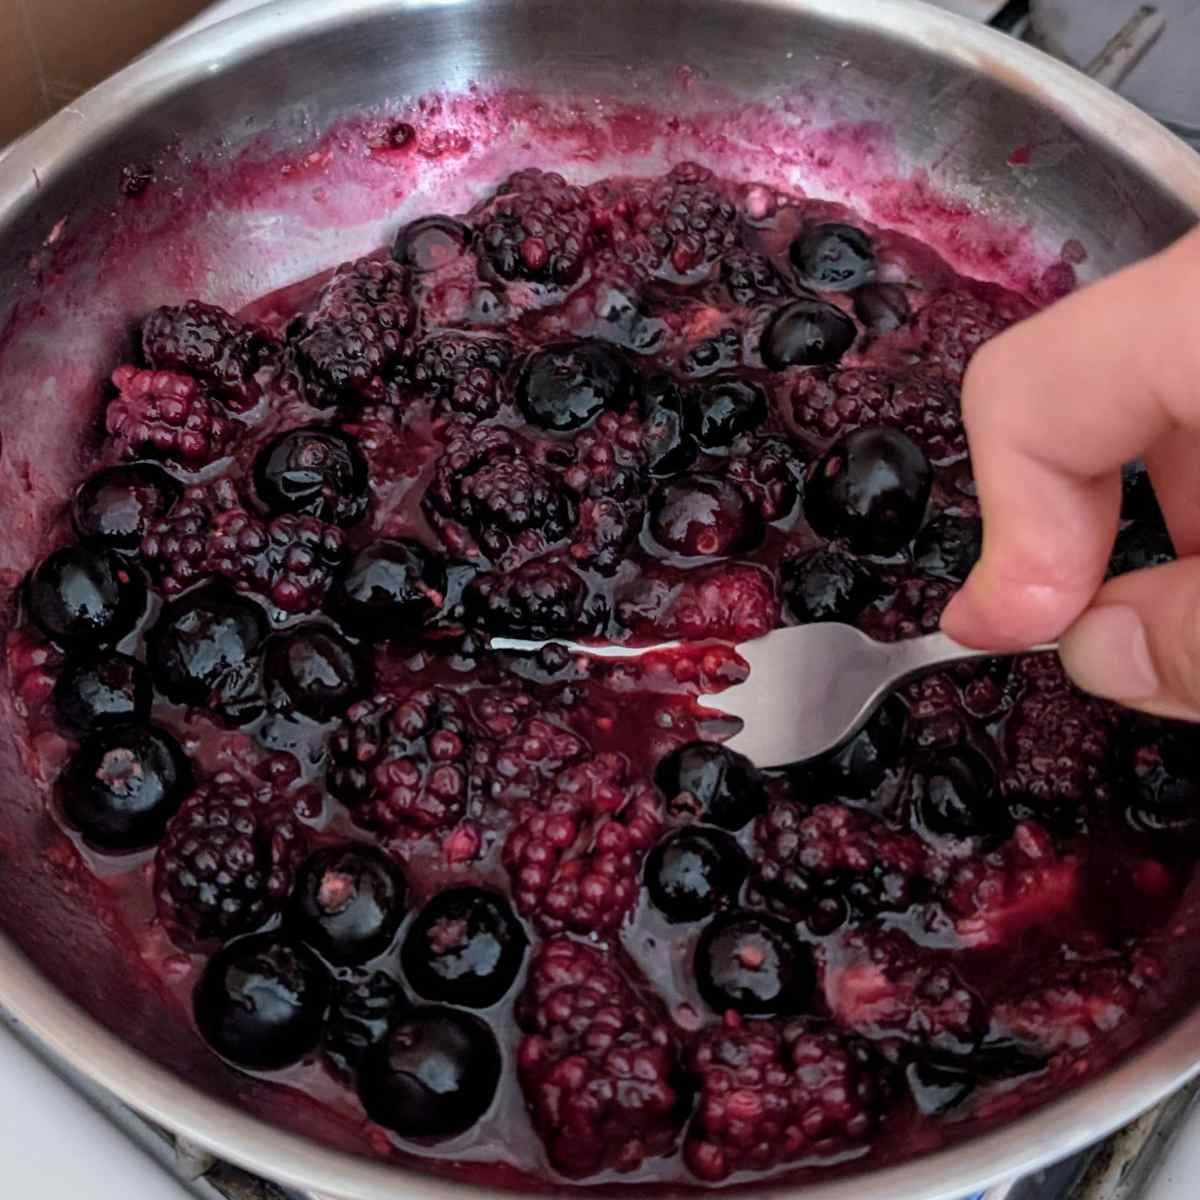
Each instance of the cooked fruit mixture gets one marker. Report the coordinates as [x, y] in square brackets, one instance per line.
[525, 908]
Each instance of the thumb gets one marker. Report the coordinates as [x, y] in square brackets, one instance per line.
[1139, 642]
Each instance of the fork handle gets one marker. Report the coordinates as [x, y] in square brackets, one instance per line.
[915, 656]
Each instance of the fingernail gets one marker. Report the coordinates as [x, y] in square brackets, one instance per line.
[1106, 652]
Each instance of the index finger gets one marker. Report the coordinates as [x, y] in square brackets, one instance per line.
[1053, 407]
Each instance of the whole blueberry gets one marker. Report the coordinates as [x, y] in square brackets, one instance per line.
[565, 386]
[882, 307]
[433, 1076]
[693, 872]
[711, 783]
[84, 596]
[669, 446]
[123, 785]
[101, 688]
[724, 409]
[833, 257]
[870, 489]
[827, 584]
[703, 516]
[956, 795]
[261, 1002]
[313, 670]
[430, 242]
[116, 506]
[751, 963]
[949, 546]
[348, 903]
[317, 472]
[390, 589]
[806, 333]
[465, 947]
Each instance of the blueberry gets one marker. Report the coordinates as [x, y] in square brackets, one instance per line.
[430, 242]
[359, 1018]
[857, 768]
[433, 1076]
[261, 1002]
[390, 589]
[871, 488]
[949, 546]
[806, 333]
[827, 584]
[123, 786]
[723, 410]
[465, 947]
[205, 648]
[711, 783]
[703, 516]
[116, 506]
[694, 871]
[751, 962]
[316, 672]
[317, 472]
[882, 307]
[83, 596]
[670, 449]
[1158, 762]
[939, 1086]
[101, 688]
[956, 795]
[833, 257]
[348, 903]
[566, 386]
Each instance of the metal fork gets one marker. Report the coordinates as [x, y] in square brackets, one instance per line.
[810, 687]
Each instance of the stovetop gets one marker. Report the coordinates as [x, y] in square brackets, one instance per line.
[93, 1146]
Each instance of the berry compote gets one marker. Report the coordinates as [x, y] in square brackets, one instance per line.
[523, 917]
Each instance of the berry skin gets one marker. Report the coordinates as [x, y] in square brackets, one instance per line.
[541, 598]
[750, 962]
[537, 227]
[85, 597]
[833, 257]
[703, 516]
[434, 1074]
[751, 279]
[669, 446]
[871, 489]
[462, 373]
[311, 669]
[1158, 767]
[348, 903]
[465, 948]
[430, 242]
[360, 1015]
[205, 648]
[772, 1092]
[575, 860]
[566, 386]
[949, 546]
[100, 689]
[723, 410]
[598, 1063]
[488, 498]
[313, 472]
[227, 862]
[161, 415]
[390, 588]
[348, 346]
[882, 307]
[694, 871]
[261, 1003]
[706, 782]
[115, 507]
[208, 343]
[832, 861]
[827, 584]
[400, 762]
[123, 786]
[806, 333]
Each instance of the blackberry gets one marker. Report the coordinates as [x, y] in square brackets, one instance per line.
[827, 584]
[461, 373]
[734, 602]
[751, 279]
[226, 863]
[956, 322]
[575, 864]
[348, 346]
[949, 546]
[115, 507]
[598, 1063]
[536, 227]
[517, 766]
[360, 1015]
[539, 599]
[913, 609]
[772, 1092]
[832, 861]
[208, 343]
[162, 415]
[85, 597]
[400, 762]
[771, 473]
[828, 404]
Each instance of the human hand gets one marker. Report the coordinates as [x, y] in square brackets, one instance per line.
[1053, 407]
